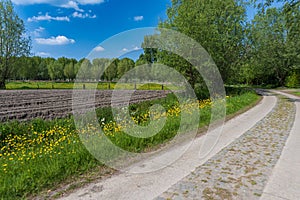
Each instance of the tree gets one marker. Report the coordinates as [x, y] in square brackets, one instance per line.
[218, 25]
[32, 67]
[98, 67]
[111, 70]
[263, 5]
[269, 48]
[69, 71]
[150, 54]
[84, 69]
[56, 70]
[13, 42]
[143, 67]
[124, 66]
[19, 69]
[142, 60]
[291, 11]
[42, 70]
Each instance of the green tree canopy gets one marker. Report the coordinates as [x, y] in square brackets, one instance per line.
[217, 25]
[124, 65]
[13, 42]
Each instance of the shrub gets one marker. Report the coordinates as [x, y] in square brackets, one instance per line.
[293, 80]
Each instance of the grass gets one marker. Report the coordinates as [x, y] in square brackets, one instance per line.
[296, 93]
[22, 85]
[37, 155]
[292, 92]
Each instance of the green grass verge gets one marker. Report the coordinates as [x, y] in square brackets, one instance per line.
[296, 93]
[20, 85]
[39, 155]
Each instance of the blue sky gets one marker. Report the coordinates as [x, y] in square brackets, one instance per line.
[73, 28]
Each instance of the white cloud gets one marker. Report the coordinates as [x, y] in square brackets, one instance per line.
[43, 54]
[47, 17]
[99, 49]
[60, 3]
[138, 18]
[136, 48]
[83, 15]
[84, 2]
[37, 32]
[72, 4]
[133, 48]
[27, 2]
[59, 40]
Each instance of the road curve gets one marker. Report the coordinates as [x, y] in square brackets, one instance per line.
[284, 182]
[150, 185]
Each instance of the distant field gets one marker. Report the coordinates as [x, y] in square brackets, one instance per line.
[20, 85]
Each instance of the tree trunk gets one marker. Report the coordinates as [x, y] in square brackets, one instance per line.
[2, 85]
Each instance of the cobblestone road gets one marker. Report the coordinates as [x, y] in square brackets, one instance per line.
[242, 169]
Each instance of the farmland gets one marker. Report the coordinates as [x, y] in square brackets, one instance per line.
[24, 105]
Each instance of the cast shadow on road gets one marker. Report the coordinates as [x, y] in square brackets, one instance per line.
[263, 92]
[291, 99]
[294, 100]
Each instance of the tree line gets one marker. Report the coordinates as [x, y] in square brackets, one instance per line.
[66, 69]
[263, 51]
[69, 69]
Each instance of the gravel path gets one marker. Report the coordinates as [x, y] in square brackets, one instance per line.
[242, 169]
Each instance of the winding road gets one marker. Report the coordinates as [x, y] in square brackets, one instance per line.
[256, 157]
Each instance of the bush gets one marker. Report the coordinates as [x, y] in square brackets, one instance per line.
[235, 91]
[201, 91]
[293, 81]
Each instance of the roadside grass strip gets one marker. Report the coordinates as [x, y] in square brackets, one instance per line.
[39, 155]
